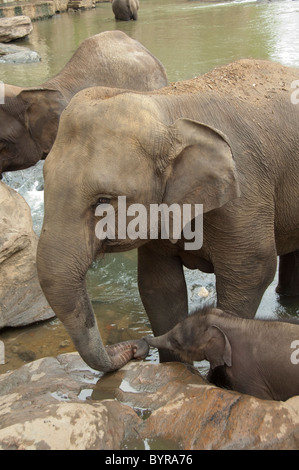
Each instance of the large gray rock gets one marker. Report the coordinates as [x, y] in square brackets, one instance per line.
[40, 408]
[15, 27]
[11, 54]
[62, 404]
[21, 299]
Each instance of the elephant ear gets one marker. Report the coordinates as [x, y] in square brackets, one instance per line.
[42, 112]
[217, 347]
[202, 169]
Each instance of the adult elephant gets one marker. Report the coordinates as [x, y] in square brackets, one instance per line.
[228, 140]
[29, 117]
[125, 10]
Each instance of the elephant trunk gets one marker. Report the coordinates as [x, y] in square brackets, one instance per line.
[159, 341]
[62, 278]
[127, 350]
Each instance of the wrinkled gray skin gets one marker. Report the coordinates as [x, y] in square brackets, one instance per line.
[245, 355]
[29, 118]
[121, 353]
[229, 153]
[125, 10]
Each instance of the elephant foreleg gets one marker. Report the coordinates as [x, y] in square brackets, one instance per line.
[163, 291]
[288, 280]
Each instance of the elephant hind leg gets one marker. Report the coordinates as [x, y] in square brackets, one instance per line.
[241, 286]
[134, 15]
[288, 274]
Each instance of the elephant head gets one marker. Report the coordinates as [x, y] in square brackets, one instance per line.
[29, 122]
[195, 339]
[123, 146]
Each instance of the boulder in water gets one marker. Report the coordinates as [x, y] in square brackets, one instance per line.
[11, 54]
[15, 27]
[21, 299]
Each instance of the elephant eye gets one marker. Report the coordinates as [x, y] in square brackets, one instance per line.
[103, 200]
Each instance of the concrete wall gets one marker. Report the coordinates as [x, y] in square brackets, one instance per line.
[33, 10]
[39, 9]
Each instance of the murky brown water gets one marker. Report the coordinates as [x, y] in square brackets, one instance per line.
[189, 37]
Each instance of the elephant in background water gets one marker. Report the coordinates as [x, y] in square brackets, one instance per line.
[216, 140]
[29, 117]
[125, 10]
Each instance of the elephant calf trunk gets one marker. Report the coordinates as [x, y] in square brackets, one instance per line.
[158, 341]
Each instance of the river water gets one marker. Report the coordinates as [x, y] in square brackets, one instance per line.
[190, 38]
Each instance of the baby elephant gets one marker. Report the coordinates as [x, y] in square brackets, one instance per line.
[256, 357]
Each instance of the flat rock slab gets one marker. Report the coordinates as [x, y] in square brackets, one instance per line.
[61, 404]
[11, 54]
[14, 28]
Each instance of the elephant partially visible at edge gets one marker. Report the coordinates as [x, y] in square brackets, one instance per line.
[29, 117]
[216, 140]
[125, 10]
[256, 357]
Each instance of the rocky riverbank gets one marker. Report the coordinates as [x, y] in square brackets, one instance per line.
[21, 298]
[12, 29]
[59, 403]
